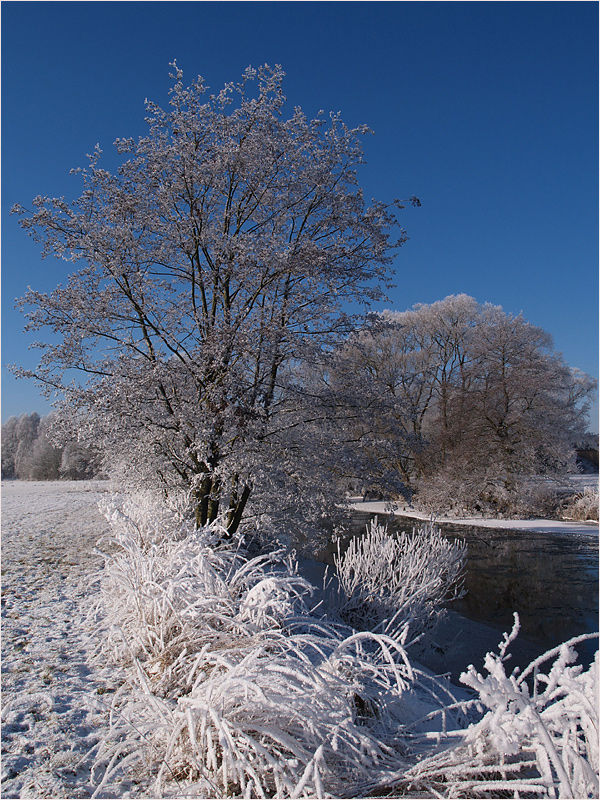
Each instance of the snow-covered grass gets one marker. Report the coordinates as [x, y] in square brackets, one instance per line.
[52, 710]
[236, 689]
[392, 582]
[538, 736]
[212, 678]
[583, 505]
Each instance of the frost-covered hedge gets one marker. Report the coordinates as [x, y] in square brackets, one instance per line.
[232, 687]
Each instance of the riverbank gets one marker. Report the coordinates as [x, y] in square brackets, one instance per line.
[546, 570]
[397, 509]
[57, 694]
[456, 643]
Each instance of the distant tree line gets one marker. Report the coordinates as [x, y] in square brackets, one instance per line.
[29, 454]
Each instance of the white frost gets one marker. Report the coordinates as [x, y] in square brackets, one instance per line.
[49, 720]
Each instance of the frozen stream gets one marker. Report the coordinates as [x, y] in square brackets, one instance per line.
[546, 571]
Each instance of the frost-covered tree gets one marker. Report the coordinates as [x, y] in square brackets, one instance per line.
[519, 413]
[31, 450]
[521, 402]
[10, 443]
[406, 367]
[464, 401]
[45, 456]
[27, 451]
[27, 432]
[221, 252]
[78, 461]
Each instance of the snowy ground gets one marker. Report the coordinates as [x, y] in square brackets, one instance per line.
[54, 697]
[539, 525]
[48, 682]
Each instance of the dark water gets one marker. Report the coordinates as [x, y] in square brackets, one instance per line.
[550, 579]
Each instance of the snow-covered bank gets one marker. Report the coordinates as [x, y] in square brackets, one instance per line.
[268, 700]
[461, 639]
[238, 690]
[532, 525]
[49, 530]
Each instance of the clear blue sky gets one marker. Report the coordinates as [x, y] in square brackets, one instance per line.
[487, 111]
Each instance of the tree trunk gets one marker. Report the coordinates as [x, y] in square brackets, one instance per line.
[235, 514]
[202, 498]
[207, 504]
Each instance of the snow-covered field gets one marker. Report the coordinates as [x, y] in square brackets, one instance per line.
[50, 720]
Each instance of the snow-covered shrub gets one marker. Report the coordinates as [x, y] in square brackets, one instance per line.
[491, 493]
[538, 736]
[582, 506]
[393, 581]
[539, 500]
[455, 491]
[174, 588]
[267, 721]
[233, 687]
[230, 687]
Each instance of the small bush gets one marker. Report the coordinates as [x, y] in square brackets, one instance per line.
[582, 506]
[460, 492]
[397, 582]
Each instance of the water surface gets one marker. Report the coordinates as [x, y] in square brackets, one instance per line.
[549, 579]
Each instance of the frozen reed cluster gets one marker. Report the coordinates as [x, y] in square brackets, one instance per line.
[233, 684]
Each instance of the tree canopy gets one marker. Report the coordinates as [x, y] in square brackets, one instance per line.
[229, 245]
[459, 401]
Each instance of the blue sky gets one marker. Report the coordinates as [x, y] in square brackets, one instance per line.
[487, 111]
